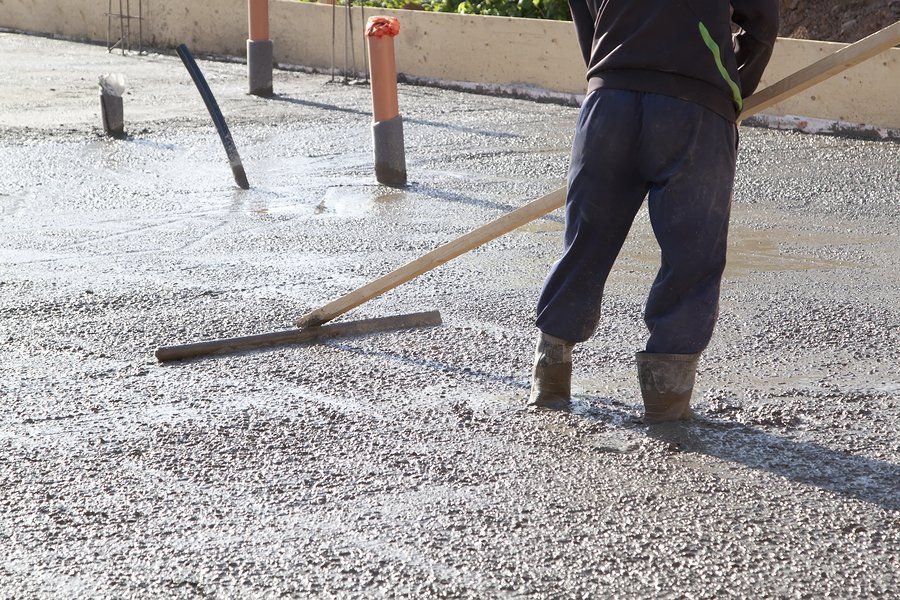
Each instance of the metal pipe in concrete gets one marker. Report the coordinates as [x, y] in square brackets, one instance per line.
[387, 129]
[259, 48]
[112, 109]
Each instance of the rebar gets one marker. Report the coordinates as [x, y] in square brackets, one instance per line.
[125, 17]
[352, 40]
[346, 50]
[362, 10]
[333, 35]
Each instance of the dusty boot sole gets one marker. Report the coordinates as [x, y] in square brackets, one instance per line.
[549, 402]
[675, 412]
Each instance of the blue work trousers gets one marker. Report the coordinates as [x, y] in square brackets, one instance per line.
[628, 145]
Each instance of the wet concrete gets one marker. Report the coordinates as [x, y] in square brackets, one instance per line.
[406, 464]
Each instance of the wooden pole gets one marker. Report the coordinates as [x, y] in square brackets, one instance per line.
[436, 257]
[843, 59]
[830, 66]
[295, 336]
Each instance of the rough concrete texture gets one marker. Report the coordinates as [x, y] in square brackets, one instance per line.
[406, 464]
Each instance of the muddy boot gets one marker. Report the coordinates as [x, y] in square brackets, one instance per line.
[667, 381]
[551, 382]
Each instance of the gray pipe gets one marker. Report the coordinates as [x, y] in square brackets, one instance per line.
[390, 153]
[112, 107]
[259, 66]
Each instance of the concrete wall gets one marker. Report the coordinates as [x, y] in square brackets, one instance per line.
[868, 93]
[500, 50]
[436, 46]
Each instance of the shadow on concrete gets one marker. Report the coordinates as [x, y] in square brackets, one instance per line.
[320, 105]
[356, 111]
[874, 481]
[867, 479]
[441, 194]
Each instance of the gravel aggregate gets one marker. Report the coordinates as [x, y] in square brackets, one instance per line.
[406, 464]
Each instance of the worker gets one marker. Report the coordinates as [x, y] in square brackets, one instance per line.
[666, 84]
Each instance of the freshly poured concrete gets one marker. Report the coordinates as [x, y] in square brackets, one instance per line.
[406, 464]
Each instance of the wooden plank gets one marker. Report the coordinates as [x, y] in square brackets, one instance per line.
[829, 66]
[294, 336]
[819, 71]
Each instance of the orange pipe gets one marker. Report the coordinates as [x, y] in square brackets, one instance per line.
[258, 17]
[380, 32]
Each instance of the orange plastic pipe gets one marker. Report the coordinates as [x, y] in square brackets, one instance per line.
[380, 32]
[258, 16]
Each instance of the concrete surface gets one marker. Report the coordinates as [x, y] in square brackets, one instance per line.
[530, 57]
[406, 464]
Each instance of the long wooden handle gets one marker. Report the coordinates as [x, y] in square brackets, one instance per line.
[437, 257]
[294, 336]
[841, 60]
[819, 71]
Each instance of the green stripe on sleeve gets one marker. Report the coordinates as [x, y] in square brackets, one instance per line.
[717, 56]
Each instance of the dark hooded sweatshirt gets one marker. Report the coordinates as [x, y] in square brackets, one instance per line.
[680, 48]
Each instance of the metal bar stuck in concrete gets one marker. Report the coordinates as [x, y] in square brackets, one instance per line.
[234, 159]
[295, 336]
[112, 111]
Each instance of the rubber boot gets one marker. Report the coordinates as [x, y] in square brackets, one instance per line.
[667, 382]
[551, 381]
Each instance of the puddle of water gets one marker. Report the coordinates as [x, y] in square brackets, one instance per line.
[341, 203]
[153, 144]
[749, 250]
[337, 202]
[759, 251]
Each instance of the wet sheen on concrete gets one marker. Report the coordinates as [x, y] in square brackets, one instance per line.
[406, 464]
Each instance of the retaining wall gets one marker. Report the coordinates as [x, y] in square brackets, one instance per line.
[526, 55]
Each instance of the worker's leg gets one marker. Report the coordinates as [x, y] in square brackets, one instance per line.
[688, 153]
[605, 193]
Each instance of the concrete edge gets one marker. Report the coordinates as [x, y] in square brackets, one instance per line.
[816, 126]
[801, 124]
[81, 39]
[810, 125]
